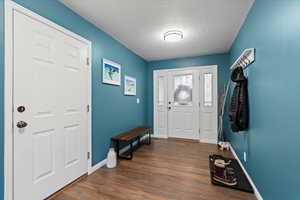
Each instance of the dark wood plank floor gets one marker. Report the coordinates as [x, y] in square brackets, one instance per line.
[168, 169]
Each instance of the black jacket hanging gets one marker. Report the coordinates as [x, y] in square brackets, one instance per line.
[239, 107]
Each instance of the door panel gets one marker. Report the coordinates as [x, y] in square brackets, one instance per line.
[71, 145]
[183, 95]
[50, 81]
[73, 107]
[33, 56]
[43, 155]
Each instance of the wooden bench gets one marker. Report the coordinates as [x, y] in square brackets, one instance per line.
[130, 137]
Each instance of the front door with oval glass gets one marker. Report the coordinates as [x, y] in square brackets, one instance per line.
[183, 90]
[185, 103]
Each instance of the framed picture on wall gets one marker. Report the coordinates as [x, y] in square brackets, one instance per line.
[129, 86]
[111, 72]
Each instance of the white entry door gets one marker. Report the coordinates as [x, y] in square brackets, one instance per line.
[183, 104]
[50, 108]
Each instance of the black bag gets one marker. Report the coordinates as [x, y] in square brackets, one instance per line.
[239, 107]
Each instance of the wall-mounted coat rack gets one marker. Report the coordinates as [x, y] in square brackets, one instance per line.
[245, 59]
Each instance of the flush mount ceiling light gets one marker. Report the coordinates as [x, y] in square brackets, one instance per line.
[173, 36]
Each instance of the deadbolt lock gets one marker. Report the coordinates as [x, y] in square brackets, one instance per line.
[21, 109]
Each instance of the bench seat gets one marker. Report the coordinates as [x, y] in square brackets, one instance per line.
[130, 137]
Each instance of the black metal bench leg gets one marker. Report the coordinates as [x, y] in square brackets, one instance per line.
[149, 137]
[118, 149]
[139, 141]
[128, 157]
[131, 151]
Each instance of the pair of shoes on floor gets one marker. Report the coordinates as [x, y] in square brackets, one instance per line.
[224, 146]
[223, 173]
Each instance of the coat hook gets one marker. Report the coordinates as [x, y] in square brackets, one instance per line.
[240, 64]
[248, 60]
[245, 59]
[244, 62]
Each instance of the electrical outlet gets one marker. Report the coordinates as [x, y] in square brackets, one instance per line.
[245, 157]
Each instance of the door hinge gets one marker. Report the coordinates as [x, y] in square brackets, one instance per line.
[88, 108]
[87, 61]
[88, 155]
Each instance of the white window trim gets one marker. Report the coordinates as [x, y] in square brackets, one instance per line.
[10, 6]
[211, 101]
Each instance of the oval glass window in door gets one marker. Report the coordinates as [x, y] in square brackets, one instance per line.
[183, 89]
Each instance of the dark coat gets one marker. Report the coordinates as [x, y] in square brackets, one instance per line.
[239, 107]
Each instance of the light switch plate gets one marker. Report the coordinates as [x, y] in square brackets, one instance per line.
[245, 156]
[137, 100]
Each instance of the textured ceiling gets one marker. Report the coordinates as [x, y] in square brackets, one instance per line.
[209, 26]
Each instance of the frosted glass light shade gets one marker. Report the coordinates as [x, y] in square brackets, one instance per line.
[173, 36]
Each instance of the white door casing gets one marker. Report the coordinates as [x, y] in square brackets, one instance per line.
[194, 120]
[47, 72]
[183, 104]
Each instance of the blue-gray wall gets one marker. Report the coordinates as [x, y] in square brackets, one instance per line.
[222, 60]
[112, 111]
[272, 27]
[272, 142]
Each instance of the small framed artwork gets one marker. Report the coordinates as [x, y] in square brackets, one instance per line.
[129, 86]
[111, 72]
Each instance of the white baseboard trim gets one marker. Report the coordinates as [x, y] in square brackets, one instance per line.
[160, 136]
[97, 166]
[209, 141]
[256, 192]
